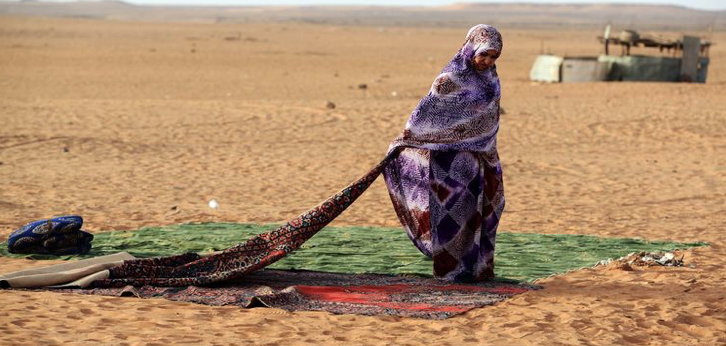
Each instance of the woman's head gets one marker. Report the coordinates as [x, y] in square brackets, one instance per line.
[482, 46]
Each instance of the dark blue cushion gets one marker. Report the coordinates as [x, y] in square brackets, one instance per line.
[34, 233]
[62, 244]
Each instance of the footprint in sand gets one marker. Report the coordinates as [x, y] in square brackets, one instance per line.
[19, 323]
[268, 311]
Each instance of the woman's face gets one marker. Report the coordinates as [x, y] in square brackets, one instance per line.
[485, 60]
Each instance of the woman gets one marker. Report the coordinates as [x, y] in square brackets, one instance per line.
[446, 183]
[443, 175]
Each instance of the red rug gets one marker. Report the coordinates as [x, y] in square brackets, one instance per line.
[336, 293]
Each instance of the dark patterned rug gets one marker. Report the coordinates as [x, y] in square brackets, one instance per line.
[362, 294]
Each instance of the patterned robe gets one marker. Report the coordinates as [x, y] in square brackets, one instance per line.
[446, 183]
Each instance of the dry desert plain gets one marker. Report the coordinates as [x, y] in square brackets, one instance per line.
[134, 124]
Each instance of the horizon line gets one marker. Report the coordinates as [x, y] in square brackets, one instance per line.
[352, 5]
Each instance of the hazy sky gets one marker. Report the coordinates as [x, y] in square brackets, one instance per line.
[700, 4]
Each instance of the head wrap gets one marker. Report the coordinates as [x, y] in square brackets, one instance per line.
[461, 110]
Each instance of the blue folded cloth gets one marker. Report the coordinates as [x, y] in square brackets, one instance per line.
[57, 236]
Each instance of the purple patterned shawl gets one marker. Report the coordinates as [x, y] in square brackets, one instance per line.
[446, 183]
[461, 111]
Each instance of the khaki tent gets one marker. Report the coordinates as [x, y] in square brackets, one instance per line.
[554, 69]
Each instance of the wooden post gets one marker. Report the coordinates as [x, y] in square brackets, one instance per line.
[606, 36]
[689, 61]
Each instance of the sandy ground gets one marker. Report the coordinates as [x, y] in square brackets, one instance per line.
[138, 124]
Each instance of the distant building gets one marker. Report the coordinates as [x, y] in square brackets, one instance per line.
[691, 66]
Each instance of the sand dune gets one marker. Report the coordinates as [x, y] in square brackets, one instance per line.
[140, 123]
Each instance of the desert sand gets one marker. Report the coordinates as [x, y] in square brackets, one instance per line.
[134, 124]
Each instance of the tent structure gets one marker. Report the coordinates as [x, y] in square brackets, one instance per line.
[690, 66]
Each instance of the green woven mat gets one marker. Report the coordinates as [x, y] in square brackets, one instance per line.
[519, 256]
